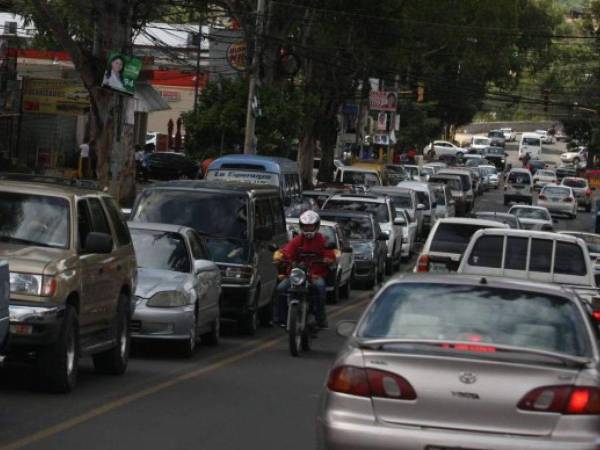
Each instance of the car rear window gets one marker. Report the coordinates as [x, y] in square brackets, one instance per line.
[486, 316]
[569, 259]
[572, 182]
[519, 178]
[379, 210]
[453, 237]
[487, 252]
[531, 141]
[556, 192]
[540, 255]
[515, 257]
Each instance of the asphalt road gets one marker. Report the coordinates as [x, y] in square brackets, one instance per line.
[247, 393]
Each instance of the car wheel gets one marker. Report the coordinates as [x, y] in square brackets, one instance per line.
[58, 363]
[250, 321]
[115, 360]
[188, 347]
[333, 296]
[214, 335]
[345, 290]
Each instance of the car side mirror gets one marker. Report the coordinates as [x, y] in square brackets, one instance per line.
[420, 207]
[202, 265]
[399, 221]
[345, 328]
[382, 237]
[101, 243]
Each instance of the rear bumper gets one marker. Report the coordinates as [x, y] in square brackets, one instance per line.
[518, 198]
[45, 323]
[564, 208]
[344, 429]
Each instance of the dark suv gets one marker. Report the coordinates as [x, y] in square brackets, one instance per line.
[72, 275]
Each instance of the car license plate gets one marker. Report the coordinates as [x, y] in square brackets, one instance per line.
[438, 267]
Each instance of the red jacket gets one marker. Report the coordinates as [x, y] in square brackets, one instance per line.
[292, 252]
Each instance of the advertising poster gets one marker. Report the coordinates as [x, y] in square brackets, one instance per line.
[383, 101]
[121, 73]
[55, 96]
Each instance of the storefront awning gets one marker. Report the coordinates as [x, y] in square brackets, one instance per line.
[147, 99]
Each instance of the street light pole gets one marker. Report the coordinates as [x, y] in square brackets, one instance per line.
[249, 148]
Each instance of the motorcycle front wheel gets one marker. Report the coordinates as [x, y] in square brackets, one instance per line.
[295, 331]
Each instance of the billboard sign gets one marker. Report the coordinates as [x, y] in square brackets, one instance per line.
[383, 101]
[236, 55]
[55, 96]
[122, 71]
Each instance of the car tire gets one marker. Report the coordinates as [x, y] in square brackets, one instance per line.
[380, 272]
[389, 266]
[214, 335]
[58, 363]
[115, 360]
[333, 297]
[249, 322]
[345, 290]
[187, 348]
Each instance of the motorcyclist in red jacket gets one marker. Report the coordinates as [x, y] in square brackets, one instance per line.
[309, 241]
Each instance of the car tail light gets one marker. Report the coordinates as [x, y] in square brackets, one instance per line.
[370, 383]
[596, 316]
[588, 192]
[572, 400]
[542, 197]
[423, 263]
[567, 199]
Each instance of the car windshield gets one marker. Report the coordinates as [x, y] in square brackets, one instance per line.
[38, 220]
[481, 141]
[395, 169]
[327, 232]
[473, 162]
[423, 197]
[490, 170]
[228, 250]
[379, 210]
[354, 228]
[555, 192]
[531, 141]
[496, 134]
[574, 182]
[366, 178]
[478, 314]
[160, 250]
[530, 213]
[453, 237]
[207, 212]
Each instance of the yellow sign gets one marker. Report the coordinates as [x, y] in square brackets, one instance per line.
[236, 55]
[55, 96]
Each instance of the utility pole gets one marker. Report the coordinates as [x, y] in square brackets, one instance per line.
[249, 148]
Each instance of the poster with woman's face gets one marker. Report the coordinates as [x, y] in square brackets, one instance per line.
[121, 73]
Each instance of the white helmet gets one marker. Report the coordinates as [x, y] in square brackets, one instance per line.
[309, 223]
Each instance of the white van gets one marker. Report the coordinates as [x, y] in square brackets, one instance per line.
[530, 143]
[529, 255]
[518, 187]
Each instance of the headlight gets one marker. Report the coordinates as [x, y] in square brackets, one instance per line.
[167, 299]
[297, 277]
[386, 232]
[237, 273]
[30, 284]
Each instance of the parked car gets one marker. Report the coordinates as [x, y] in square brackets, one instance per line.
[467, 186]
[443, 148]
[575, 158]
[509, 134]
[403, 198]
[178, 290]
[171, 166]
[525, 353]
[518, 187]
[592, 241]
[382, 207]
[239, 222]
[533, 217]
[4, 302]
[358, 176]
[447, 241]
[558, 199]
[544, 177]
[72, 277]
[581, 189]
[531, 144]
[509, 219]
[495, 155]
[454, 183]
[497, 138]
[425, 197]
[368, 243]
[339, 279]
[529, 255]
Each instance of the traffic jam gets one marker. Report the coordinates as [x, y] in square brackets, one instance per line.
[481, 326]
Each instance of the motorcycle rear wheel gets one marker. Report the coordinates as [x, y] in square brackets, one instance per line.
[295, 330]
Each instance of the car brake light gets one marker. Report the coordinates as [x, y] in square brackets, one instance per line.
[370, 383]
[423, 263]
[588, 192]
[596, 316]
[542, 197]
[563, 400]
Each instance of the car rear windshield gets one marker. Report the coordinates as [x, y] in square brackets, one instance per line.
[423, 197]
[531, 141]
[453, 237]
[207, 212]
[37, 220]
[366, 178]
[555, 191]
[354, 228]
[519, 178]
[453, 183]
[574, 182]
[481, 316]
[161, 250]
[379, 210]
[327, 232]
[401, 201]
[496, 134]
[530, 213]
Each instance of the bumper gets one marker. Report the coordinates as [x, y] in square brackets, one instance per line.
[518, 198]
[162, 323]
[33, 326]
[357, 429]
[556, 207]
[364, 270]
[235, 300]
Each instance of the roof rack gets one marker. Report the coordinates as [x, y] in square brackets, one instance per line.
[32, 178]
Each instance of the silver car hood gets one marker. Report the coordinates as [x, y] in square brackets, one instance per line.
[151, 281]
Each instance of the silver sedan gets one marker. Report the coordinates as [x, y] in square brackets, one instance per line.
[178, 289]
[448, 362]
